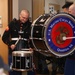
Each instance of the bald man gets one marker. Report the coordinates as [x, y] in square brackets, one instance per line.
[17, 37]
[72, 9]
[70, 60]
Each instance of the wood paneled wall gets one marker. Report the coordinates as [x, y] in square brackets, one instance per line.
[37, 8]
[4, 14]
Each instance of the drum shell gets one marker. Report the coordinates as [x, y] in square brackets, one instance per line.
[38, 31]
[37, 35]
[22, 60]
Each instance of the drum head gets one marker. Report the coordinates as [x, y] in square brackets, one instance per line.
[59, 34]
[22, 53]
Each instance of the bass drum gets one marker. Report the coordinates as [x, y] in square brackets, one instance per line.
[53, 35]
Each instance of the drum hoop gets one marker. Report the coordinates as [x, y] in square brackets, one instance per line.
[22, 69]
[22, 53]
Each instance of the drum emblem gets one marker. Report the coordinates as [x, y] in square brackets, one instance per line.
[54, 34]
[63, 32]
[60, 27]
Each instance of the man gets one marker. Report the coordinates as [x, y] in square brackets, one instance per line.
[65, 7]
[72, 9]
[70, 61]
[17, 36]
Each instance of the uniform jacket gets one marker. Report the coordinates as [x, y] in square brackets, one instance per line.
[12, 31]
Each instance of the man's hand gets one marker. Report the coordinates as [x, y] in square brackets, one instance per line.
[12, 46]
[30, 49]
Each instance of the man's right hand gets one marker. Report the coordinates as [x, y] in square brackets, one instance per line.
[12, 46]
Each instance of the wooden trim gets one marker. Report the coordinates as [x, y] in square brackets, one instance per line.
[37, 8]
[10, 7]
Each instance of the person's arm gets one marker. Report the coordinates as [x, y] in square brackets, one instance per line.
[6, 36]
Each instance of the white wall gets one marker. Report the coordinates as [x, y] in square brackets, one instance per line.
[59, 2]
[26, 4]
[18, 5]
[15, 9]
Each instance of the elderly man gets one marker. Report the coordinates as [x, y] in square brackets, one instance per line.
[17, 36]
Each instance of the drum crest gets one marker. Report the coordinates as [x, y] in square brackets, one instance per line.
[59, 33]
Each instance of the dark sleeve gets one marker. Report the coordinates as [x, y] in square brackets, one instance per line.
[6, 36]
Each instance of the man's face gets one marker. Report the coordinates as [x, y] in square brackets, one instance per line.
[72, 12]
[24, 17]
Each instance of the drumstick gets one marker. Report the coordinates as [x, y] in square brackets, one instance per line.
[65, 38]
[18, 40]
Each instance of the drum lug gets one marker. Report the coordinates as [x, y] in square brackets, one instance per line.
[11, 66]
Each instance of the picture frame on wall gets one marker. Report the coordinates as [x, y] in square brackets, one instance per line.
[54, 8]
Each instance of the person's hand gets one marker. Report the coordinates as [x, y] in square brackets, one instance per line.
[30, 49]
[12, 46]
